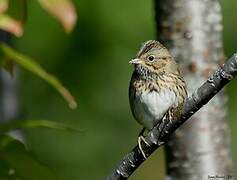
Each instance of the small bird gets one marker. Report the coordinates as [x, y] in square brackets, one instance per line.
[156, 87]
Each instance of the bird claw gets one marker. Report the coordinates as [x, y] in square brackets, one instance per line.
[141, 138]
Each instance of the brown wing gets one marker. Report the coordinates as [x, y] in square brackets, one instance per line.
[132, 93]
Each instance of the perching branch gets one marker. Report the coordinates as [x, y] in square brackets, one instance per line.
[200, 97]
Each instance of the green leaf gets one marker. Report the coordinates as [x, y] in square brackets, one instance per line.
[63, 10]
[32, 66]
[7, 172]
[21, 162]
[7, 64]
[17, 9]
[22, 124]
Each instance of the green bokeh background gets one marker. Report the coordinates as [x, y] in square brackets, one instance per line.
[93, 63]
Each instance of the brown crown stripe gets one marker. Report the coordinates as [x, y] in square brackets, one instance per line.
[148, 46]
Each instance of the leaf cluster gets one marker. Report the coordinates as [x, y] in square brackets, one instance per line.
[17, 161]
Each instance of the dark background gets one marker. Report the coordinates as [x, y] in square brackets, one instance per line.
[93, 63]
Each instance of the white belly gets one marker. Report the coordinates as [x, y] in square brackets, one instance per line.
[150, 107]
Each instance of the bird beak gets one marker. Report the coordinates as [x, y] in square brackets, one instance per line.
[135, 61]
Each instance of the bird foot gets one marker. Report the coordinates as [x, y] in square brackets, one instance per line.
[140, 139]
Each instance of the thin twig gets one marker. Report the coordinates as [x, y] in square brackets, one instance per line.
[199, 98]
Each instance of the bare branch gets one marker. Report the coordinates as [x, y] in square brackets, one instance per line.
[199, 98]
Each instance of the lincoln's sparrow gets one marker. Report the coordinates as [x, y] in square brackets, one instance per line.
[156, 87]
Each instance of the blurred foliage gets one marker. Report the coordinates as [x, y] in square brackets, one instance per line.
[13, 14]
[230, 44]
[24, 124]
[93, 63]
[10, 55]
[63, 10]
[18, 163]
[11, 25]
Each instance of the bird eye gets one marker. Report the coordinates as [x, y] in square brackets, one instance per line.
[151, 57]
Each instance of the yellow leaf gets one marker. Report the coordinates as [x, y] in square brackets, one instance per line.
[63, 10]
[11, 25]
[3, 6]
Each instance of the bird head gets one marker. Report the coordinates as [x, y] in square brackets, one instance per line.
[154, 57]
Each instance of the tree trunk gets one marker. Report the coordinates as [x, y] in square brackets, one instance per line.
[192, 30]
